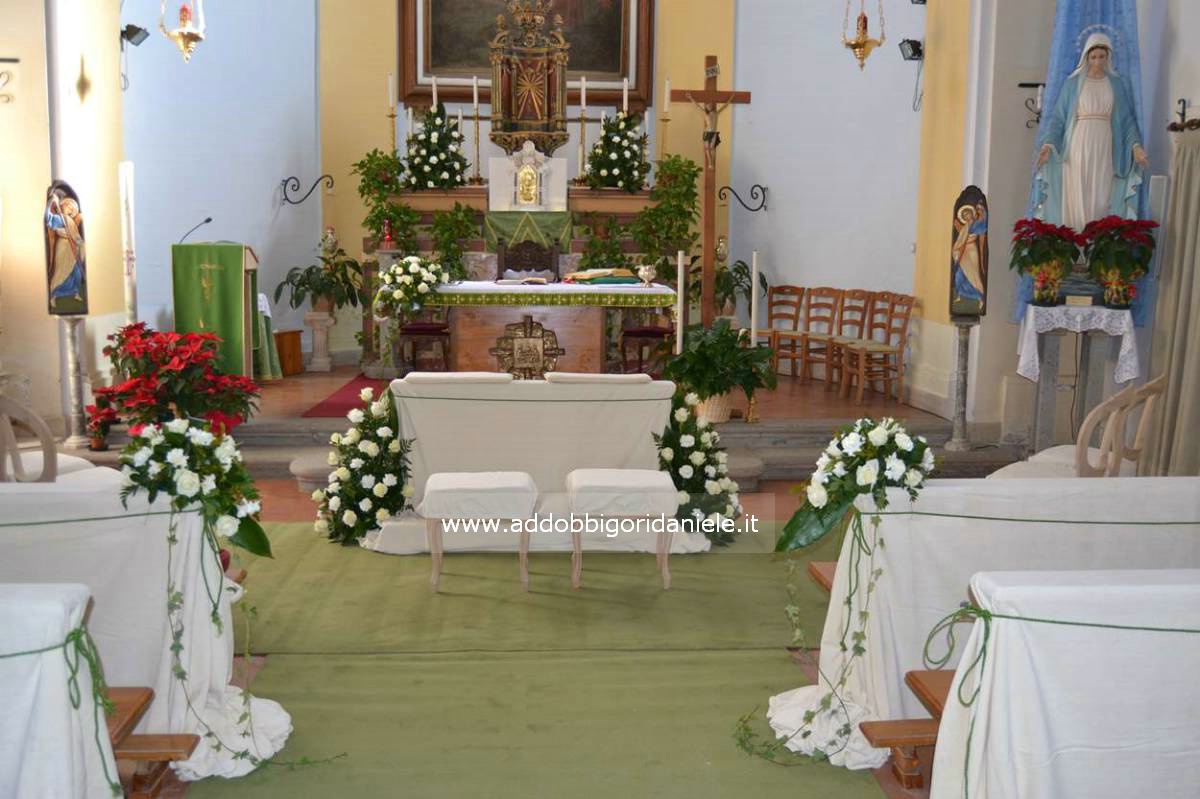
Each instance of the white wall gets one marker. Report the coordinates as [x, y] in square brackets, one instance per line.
[216, 136]
[1170, 70]
[836, 147]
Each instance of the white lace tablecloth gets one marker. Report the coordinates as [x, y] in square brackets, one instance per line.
[1078, 319]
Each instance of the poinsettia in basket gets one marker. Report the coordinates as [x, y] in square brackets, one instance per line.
[1045, 252]
[1119, 251]
[406, 284]
[866, 457]
[169, 375]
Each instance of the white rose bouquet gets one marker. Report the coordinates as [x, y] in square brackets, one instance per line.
[435, 153]
[406, 285]
[369, 481]
[618, 159]
[196, 469]
[689, 450]
[864, 458]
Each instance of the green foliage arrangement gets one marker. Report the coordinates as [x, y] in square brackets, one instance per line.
[603, 250]
[732, 282]
[714, 361]
[380, 176]
[667, 224]
[337, 276]
[370, 479]
[449, 228]
[435, 158]
[618, 159]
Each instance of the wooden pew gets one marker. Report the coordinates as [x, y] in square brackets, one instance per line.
[903, 736]
[822, 572]
[151, 753]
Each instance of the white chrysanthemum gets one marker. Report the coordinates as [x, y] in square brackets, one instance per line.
[712, 487]
[667, 454]
[187, 483]
[148, 431]
[199, 437]
[904, 441]
[428, 183]
[407, 491]
[367, 394]
[397, 294]
[352, 436]
[612, 156]
[833, 450]
[177, 457]
[839, 469]
[177, 425]
[683, 497]
[342, 473]
[379, 490]
[379, 409]
[208, 484]
[818, 497]
[722, 457]
[422, 288]
[390, 480]
[332, 458]
[702, 422]
[335, 502]
[141, 456]
[333, 487]
[878, 435]
[367, 480]
[697, 458]
[393, 446]
[868, 473]
[384, 432]
[706, 439]
[913, 478]
[893, 467]
[349, 518]
[365, 504]
[226, 526]
[335, 438]
[681, 415]
[356, 416]
[687, 441]
[318, 495]
[820, 478]
[248, 508]
[710, 471]
[686, 472]
[852, 444]
[321, 526]
[382, 515]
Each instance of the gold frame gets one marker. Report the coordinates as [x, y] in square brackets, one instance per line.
[527, 350]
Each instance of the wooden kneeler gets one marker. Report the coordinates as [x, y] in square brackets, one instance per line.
[903, 736]
[822, 572]
[151, 753]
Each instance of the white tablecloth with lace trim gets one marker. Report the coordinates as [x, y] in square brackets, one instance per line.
[1078, 319]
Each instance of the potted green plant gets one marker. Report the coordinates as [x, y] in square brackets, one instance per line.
[1118, 253]
[333, 283]
[393, 225]
[449, 228]
[1044, 252]
[715, 361]
[603, 250]
[667, 225]
[731, 282]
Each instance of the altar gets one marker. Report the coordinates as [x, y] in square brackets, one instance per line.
[480, 311]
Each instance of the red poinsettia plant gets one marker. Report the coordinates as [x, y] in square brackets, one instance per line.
[1119, 252]
[171, 375]
[1044, 252]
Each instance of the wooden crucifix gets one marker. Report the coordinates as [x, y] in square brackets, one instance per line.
[711, 103]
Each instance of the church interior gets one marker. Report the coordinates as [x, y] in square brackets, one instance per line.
[355, 358]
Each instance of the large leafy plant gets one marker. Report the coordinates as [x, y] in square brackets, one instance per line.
[380, 177]
[449, 228]
[714, 361]
[732, 282]
[603, 249]
[667, 225]
[337, 277]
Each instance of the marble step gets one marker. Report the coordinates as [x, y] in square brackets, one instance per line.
[798, 464]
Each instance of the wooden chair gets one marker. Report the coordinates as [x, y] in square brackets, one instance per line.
[10, 453]
[785, 304]
[822, 306]
[526, 256]
[856, 308]
[430, 326]
[647, 336]
[1146, 398]
[875, 360]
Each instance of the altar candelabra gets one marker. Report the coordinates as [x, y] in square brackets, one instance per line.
[476, 179]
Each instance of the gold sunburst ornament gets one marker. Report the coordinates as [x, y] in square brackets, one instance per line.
[862, 44]
[189, 33]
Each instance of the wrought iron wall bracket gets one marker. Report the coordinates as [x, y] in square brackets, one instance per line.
[758, 193]
[293, 184]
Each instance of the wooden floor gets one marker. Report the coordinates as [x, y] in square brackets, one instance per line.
[791, 399]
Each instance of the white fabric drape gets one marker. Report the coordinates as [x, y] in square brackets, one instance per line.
[928, 560]
[47, 746]
[1176, 345]
[1077, 711]
[121, 555]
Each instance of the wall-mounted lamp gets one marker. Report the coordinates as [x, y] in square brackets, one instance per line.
[918, 2]
[912, 50]
[1034, 104]
[134, 35]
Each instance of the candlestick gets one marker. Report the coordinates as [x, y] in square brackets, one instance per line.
[625, 95]
[754, 299]
[583, 93]
[475, 93]
[581, 178]
[680, 302]
[435, 103]
[476, 179]
[391, 116]
[391, 90]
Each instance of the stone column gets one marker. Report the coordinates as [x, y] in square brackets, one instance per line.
[76, 426]
[959, 441]
[320, 322]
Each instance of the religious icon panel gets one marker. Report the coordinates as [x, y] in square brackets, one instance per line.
[66, 251]
[969, 254]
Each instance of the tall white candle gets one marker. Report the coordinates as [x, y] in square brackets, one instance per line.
[475, 92]
[391, 92]
[460, 120]
[583, 93]
[602, 118]
[410, 121]
[680, 300]
[754, 298]
[128, 245]
[625, 95]
[434, 92]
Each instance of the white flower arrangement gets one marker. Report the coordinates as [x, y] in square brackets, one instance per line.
[369, 483]
[438, 143]
[689, 450]
[404, 286]
[866, 457]
[617, 160]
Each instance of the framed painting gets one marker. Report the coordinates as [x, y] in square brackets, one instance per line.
[66, 252]
[969, 255]
[610, 40]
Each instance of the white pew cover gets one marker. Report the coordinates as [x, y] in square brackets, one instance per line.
[121, 555]
[47, 746]
[928, 560]
[1078, 711]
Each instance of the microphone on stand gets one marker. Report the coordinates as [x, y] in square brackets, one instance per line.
[207, 219]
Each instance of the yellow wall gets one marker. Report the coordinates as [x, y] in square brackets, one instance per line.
[943, 110]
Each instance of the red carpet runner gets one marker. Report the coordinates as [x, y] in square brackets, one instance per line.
[341, 401]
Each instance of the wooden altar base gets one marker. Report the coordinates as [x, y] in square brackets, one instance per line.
[580, 331]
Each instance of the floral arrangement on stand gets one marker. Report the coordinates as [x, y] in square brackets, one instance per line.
[689, 450]
[1119, 252]
[862, 459]
[1045, 252]
[370, 479]
[169, 375]
[435, 159]
[101, 417]
[405, 284]
[618, 159]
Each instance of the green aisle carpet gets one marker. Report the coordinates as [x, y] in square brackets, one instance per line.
[620, 689]
[316, 598]
[530, 726]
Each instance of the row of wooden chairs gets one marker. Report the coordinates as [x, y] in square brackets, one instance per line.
[857, 336]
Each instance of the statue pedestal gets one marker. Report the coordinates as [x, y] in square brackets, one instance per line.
[320, 322]
[77, 437]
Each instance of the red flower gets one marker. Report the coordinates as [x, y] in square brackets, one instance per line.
[223, 424]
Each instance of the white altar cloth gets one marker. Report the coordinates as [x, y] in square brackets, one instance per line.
[928, 560]
[1077, 711]
[1077, 319]
[543, 428]
[47, 747]
[121, 555]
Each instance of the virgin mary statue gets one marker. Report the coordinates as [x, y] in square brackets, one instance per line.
[1091, 159]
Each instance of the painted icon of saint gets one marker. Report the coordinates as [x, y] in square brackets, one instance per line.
[66, 251]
